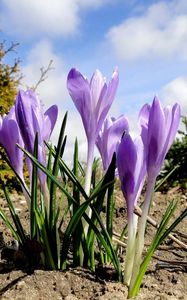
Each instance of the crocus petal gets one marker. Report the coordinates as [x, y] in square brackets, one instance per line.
[159, 127]
[109, 136]
[97, 83]
[143, 121]
[9, 137]
[50, 117]
[1, 122]
[126, 163]
[24, 116]
[140, 169]
[175, 119]
[112, 87]
[106, 99]
[144, 115]
[14, 153]
[79, 90]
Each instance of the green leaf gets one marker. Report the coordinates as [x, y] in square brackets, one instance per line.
[108, 248]
[70, 229]
[34, 193]
[45, 241]
[9, 225]
[99, 193]
[110, 201]
[55, 170]
[78, 232]
[3, 156]
[15, 217]
[160, 183]
[159, 237]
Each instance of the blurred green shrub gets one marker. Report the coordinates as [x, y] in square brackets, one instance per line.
[9, 77]
[9, 81]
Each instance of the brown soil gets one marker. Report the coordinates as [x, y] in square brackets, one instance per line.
[165, 279]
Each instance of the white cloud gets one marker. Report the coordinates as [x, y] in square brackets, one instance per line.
[30, 18]
[176, 91]
[160, 31]
[53, 89]
[92, 3]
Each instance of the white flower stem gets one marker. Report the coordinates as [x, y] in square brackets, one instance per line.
[88, 177]
[130, 251]
[141, 231]
[90, 157]
[46, 196]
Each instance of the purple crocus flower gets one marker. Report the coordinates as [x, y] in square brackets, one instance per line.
[131, 169]
[159, 127]
[109, 135]
[32, 120]
[93, 100]
[9, 137]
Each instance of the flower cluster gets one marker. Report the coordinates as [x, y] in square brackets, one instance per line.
[19, 127]
[27, 129]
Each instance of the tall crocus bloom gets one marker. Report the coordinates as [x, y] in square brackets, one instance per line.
[131, 169]
[93, 100]
[109, 135]
[32, 120]
[9, 137]
[159, 127]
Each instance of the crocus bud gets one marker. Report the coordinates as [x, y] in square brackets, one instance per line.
[131, 169]
[131, 166]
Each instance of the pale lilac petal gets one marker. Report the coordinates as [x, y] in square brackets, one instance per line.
[140, 170]
[9, 137]
[1, 121]
[23, 110]
[109, 136]
[175, 119]
[14, 153]
[112, 87]
[159, 127]
[115, 132]
[156, 133]
[144, 115]
[126, 164]
[143, 119]
[79, 90]
[105, 101]
[97, 84]
[50, 118]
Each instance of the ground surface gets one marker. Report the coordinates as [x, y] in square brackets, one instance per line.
[162, 280]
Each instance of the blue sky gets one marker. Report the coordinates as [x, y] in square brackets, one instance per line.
[147, 40]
